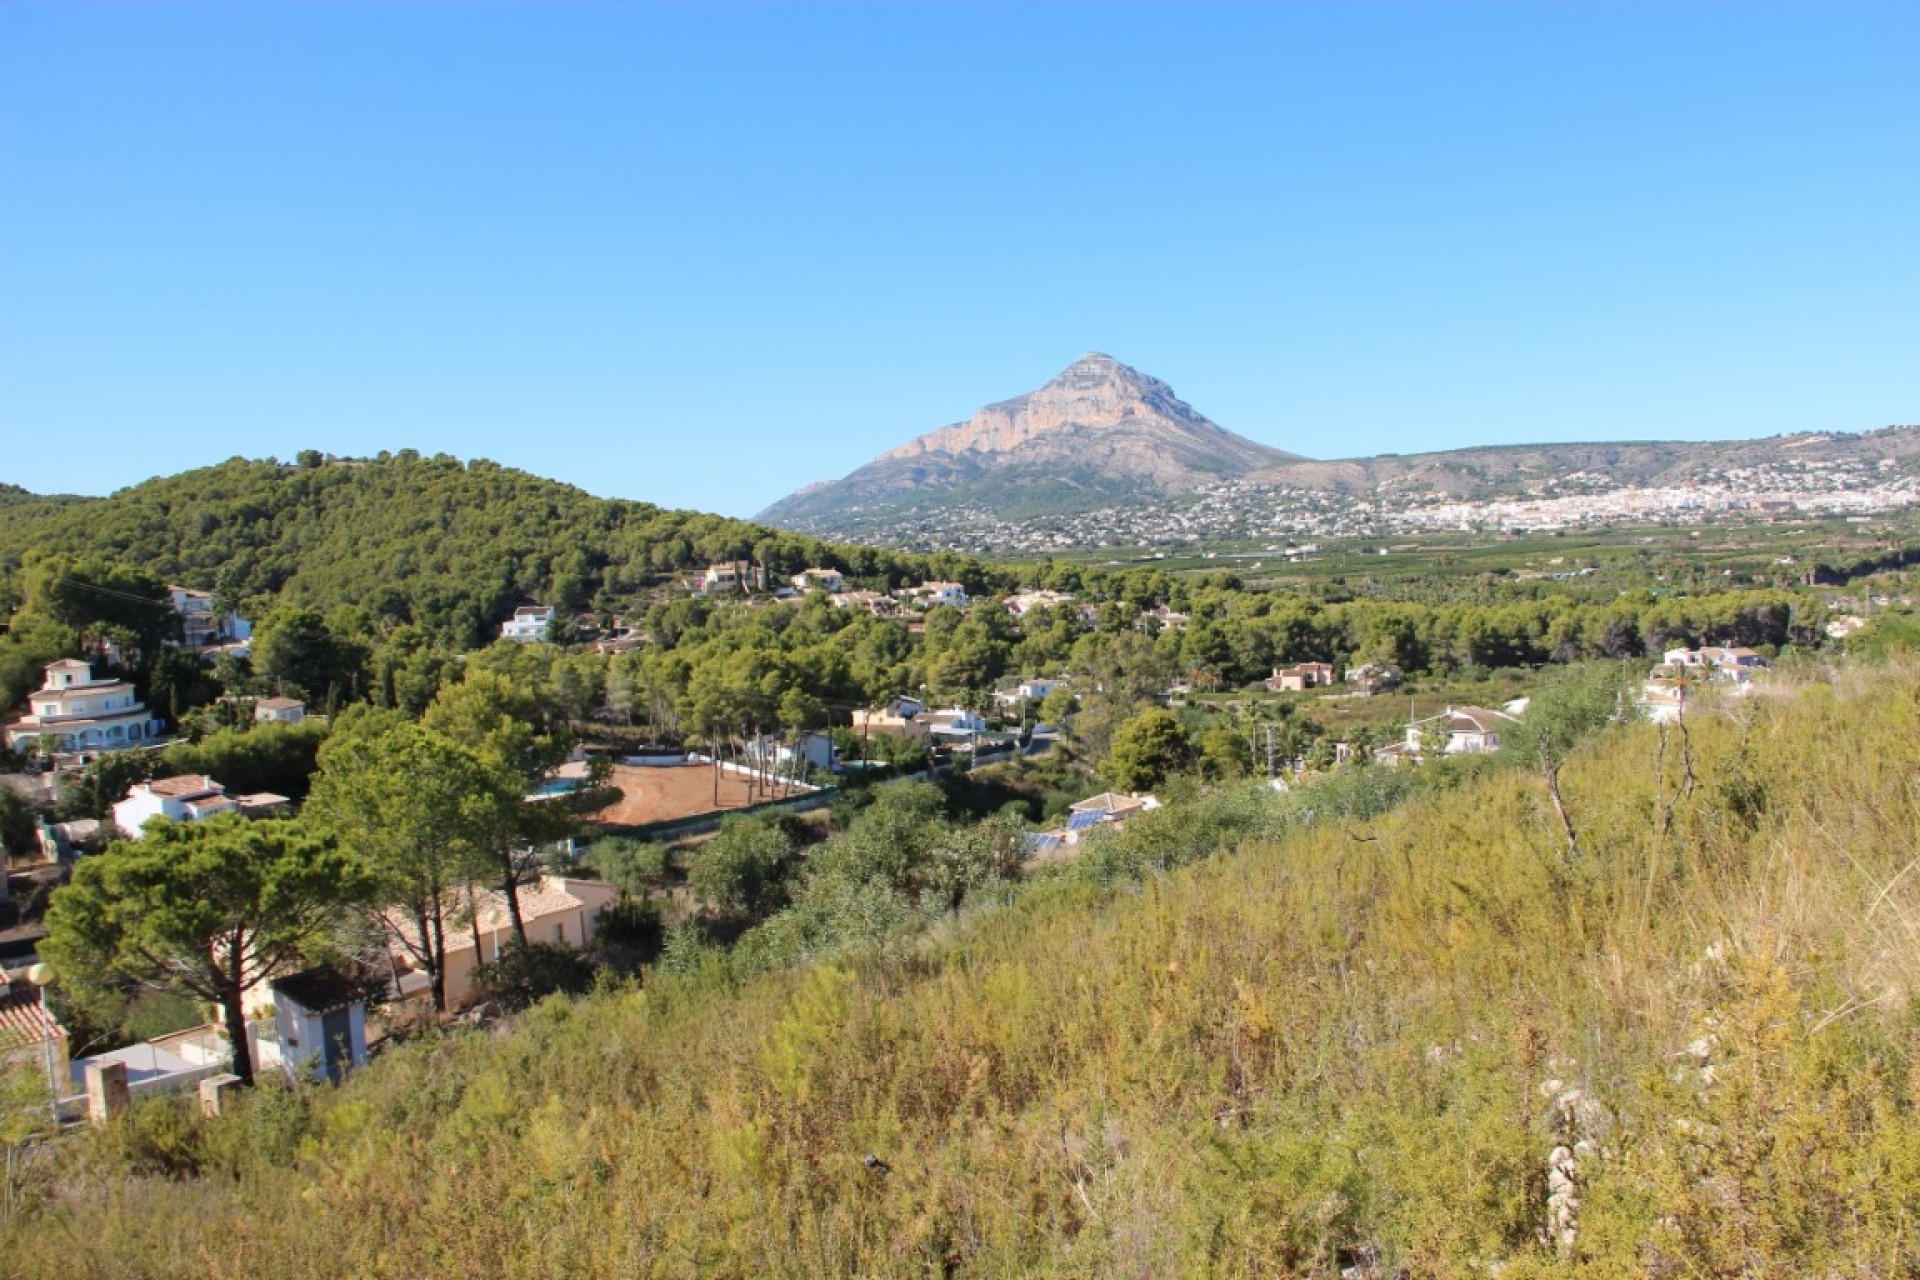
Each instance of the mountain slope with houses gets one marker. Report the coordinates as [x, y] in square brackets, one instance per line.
[1104, 448]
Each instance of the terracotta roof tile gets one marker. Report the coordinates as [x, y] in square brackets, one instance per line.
[24, 1020]
[186, 784]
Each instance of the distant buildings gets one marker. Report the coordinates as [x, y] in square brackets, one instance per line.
[1737, 665]
[1300, 676]
[1469, 730]
[732, 577]
[831, 581]
[1686, 673]
[900, 718]
[1108, 809]
[1034, 689]
[1292, 520]
[1374, 677]
[951, 594]
[1027, 601]
[556, 911]
[279, 710]
[200, 626]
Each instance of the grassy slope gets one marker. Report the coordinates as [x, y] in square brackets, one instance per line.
[1334, 1036]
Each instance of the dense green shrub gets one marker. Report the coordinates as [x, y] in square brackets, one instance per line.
[531, 971]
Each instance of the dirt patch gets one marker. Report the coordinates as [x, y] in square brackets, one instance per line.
[650, 795]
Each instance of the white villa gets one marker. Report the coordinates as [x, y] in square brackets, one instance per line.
[880, 606]
[1026, 601]
[831, 581]
[816, 749]
[529, 624]
[725, 576]
[955, 722]
[200, 626]
[74, 712]
[279, 710]
[189, 797]
[951, 594]
[1470, 730]
[1735, 664]
[1034, 689]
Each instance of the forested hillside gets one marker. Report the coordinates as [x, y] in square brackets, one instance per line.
[1423, 1040]
[369, 578]
[450, 546]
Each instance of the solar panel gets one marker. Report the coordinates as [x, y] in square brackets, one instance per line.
[1085, 821]
[1042, 843]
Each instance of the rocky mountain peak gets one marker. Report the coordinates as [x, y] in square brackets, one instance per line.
[1097, 431]
[1098, 365]
[1096, 393]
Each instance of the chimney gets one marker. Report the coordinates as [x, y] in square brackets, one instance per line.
[107, 1093]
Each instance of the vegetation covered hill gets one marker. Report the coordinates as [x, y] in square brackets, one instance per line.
[1347, 1036]
[450, 546]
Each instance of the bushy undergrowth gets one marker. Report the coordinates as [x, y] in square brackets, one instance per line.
[1349, 1029]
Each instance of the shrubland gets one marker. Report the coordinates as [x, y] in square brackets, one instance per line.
[1395, 1021]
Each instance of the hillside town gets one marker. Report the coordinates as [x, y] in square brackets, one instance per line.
[1245, 510]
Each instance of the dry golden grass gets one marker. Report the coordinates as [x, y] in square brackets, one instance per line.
[1330, 1041]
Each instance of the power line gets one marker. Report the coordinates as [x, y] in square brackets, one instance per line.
[115, 592]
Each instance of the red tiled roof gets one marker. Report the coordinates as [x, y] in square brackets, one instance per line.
[25, 1020]
[186, 784]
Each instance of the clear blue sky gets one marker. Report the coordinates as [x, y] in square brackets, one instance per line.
[700, 254]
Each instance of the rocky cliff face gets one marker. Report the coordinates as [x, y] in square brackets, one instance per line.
[1099, 432]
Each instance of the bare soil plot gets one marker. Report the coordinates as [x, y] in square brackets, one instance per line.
[650, 795]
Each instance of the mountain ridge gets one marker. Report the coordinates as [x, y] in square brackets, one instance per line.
[1098, 430]
[1104, 439]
